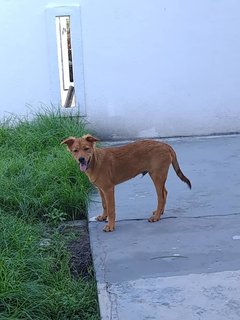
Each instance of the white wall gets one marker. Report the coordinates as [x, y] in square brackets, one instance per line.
[163, 68]
[151, 68]
[23, 57]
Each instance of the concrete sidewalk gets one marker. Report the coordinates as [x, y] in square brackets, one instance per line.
[187, 266]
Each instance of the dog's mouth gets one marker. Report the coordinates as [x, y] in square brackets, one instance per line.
[83, 165]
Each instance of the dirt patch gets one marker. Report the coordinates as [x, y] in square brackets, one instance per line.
[81, 258]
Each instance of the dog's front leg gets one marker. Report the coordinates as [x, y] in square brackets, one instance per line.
[103, 216]
[110, 206]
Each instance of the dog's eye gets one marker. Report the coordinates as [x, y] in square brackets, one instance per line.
[75, 150]
[86, 148]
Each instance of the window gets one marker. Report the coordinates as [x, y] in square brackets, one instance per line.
[67, 89]
[65, 61]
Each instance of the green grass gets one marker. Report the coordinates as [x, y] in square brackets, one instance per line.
[40, 186]
[37, 175]
[35, 281]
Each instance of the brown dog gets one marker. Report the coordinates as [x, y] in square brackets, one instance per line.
[108, 167]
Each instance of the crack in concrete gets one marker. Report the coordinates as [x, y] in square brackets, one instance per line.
[169, 257]
[113, 303]
[175, 217]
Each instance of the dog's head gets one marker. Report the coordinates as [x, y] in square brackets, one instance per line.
[82, 149]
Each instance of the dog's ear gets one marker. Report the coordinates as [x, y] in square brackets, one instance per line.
[69, 141]
[90, 138]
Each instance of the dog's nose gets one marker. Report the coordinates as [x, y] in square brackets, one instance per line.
[81, 160]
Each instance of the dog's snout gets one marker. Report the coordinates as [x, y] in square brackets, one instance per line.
[81, 160]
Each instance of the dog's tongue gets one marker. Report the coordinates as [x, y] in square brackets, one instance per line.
[83, 167]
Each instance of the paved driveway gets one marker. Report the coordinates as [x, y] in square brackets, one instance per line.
[187, 266]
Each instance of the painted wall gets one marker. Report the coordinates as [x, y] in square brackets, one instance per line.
[151, 68]
[24, 70]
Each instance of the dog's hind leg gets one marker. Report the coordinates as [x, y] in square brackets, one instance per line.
[103, 216]
[165, 198]
[159, 183]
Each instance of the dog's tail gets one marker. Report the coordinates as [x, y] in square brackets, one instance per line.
[177, 169]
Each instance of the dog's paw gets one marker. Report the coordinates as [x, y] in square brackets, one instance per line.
[107, 228]
[101, 218]
[153, 219]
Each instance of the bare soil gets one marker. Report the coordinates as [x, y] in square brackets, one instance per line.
[81, 259]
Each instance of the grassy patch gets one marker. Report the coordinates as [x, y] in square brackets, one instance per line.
[35, 281]
[40, 186]
[37, 176]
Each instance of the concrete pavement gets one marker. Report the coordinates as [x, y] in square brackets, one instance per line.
[188, 264]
